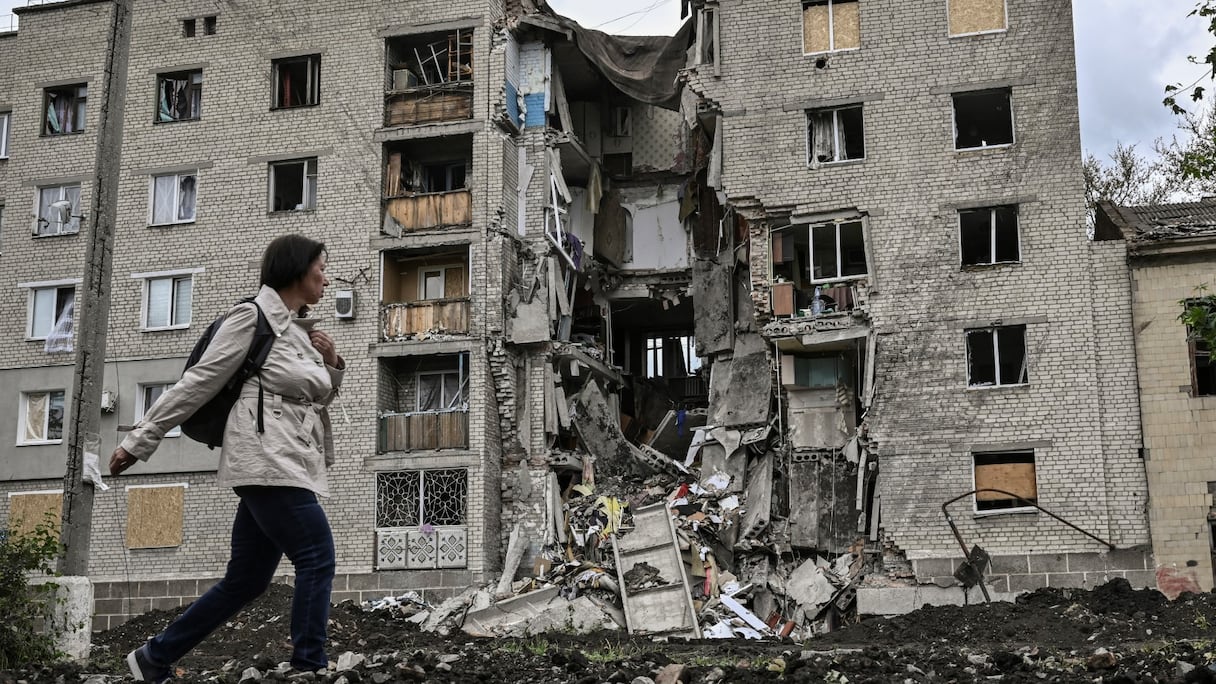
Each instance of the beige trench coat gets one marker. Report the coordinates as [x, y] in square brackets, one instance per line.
[297, 445]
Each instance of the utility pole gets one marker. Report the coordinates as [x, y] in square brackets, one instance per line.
[95, 299]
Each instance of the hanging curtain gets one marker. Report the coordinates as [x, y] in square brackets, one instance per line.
[52, 116]
[185, 198]
[430, 392]
[35, 417]
[163, 209]
[452, 391]
[821, 137]
[60, 337]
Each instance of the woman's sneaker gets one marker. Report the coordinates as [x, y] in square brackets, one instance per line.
[144, 670]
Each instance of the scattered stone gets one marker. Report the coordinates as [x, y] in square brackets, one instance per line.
[448, 658]
[1184, 667]
[349, 661]
[251, 674]
[1102, 659]
[670, 674]
[642, 680]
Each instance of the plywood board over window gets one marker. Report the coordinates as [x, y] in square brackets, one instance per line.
[27, 510]
[975, 16]
[830, 25]
[1011, 472]
[154, 516]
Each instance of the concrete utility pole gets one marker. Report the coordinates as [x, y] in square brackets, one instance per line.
[95, 299]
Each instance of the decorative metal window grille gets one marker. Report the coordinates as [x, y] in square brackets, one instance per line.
[420, 517]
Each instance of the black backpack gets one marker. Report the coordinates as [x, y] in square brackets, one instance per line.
[208, 422]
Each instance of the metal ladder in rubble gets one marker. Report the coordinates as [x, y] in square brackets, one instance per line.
[667, 607]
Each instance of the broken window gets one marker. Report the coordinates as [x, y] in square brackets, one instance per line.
[997, 356]
[829, 25]
[838, 251]
[6, 119]
[188, 28]
[983, 118]
[441, 391]
[147, 397]
[835, 135]
[431, 59]
[707, 35]
[621, 125]
[167, 302]
[179, 96]
[1203, 370]
[297, 81]
[58, 210]
[444, 176]
[209, 25]
[411, 498]
[65, 108]
[671, 356]
[1011, 472]
[47, 306]
[173, 198]
[41, 417]
[818, 372]
[439, 282]
[976, 16]
[989, 235]
[293, 185]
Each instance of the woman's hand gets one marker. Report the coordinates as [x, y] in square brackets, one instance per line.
[120, 461]
[323, 343]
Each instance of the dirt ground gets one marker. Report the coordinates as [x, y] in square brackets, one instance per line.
[1110, 634]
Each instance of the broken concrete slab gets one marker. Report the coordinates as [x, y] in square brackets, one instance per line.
[673, 436]
[600, 432]
[759, 491]
[537, 612]
[532, 320]
[711, 290]
[740, 389]
[809, 586]
[716, 462]
[824, 517]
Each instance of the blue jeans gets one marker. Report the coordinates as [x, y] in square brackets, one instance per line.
[270, 522]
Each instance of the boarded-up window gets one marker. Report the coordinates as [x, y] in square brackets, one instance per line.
[27, 510]
[975, 16]
[154, 516]
[1011, 472]
[830, 25]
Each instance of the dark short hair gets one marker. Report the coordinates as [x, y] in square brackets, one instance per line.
[287, 260]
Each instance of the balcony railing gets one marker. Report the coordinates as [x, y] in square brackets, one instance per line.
[429, 105]
[431, 210]
[424, 430]
[408, 319]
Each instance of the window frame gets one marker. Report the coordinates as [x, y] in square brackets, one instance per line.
[1197, 349]
[996, 355]
[443, 275]
[992, 234]
[1003, 29]
[839, 277]
[142, 405]
[831, 27]
[421, 513]
[23, 412]
[462, 394]
[73, 226]
[976, 456]
[194, 91]
[1013, 129]
[838, 148]
[6, 126]
[174, 277]
[177, 189]
[79, 107]
[313, 86]
[32, 296]
[308, 193]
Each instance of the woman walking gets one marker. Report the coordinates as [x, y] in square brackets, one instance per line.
[275, 462]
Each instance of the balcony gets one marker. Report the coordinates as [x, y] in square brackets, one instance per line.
[431, 78]
[425, 184]
[409, 319]
[430, 210]
[424, 430]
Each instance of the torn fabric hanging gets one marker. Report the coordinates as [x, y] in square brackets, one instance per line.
[60, 337]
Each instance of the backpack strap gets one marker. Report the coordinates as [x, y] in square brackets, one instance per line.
[259, 350]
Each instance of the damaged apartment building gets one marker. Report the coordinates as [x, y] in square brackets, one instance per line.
[812, 274]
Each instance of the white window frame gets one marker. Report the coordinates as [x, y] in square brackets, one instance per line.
[992, 215]
[6, 122]
[23, 411]
[444, 401]
[1004, 5]
[72, 227]
[147, 279]
[1013, 124]
[838, 278]
[975, 503]
[831, 29]
[996, 356]
[308, 192]
[142, 405]
[443, 274]
[312, 66]
[177, 185]
[32, 289]
[837, 141]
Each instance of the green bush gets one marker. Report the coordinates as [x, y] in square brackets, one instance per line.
[24, 605]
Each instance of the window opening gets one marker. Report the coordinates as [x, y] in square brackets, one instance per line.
[5, 121]
[830, 25]
[412, 498]
[441, 391]
[989, 235]
[169, 302]
[1012, 472]
[976, 16]
[48, 307]
[173, 198]
[179, 96]
[982, 119]
[49, 214]
[148, 396]
[209, 25]
[296, 81]
[835, 135]
[293, 185]
[838, 251]
[1203, 370]
[65, 109]
[997, 356]
[41, 417]
[188, 28]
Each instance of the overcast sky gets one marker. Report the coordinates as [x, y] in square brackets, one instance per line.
[1127, 50]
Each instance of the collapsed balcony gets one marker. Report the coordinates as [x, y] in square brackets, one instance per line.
[426, 184]
[430, 78]
[424, 403]
[424, 293]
